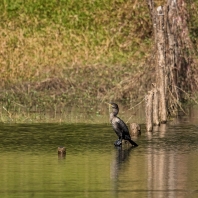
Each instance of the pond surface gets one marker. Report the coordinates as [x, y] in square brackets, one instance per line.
[164, 165]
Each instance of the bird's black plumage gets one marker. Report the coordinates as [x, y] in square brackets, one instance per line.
[119, 126]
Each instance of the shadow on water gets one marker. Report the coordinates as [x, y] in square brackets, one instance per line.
[165, 164]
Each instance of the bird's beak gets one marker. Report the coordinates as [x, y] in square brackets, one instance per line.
[108, 103]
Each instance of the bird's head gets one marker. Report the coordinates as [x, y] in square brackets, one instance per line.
[114, 106]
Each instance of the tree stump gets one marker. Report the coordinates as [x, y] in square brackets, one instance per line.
[156, 121]
[149, 111]
[135, 129]
[61, 150]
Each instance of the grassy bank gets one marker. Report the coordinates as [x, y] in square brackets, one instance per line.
[69, 50]
[56, 53]
[40, 39]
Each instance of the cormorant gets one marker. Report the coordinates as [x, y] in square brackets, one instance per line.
[119, 126]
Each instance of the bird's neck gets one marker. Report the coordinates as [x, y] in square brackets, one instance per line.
[113, 115]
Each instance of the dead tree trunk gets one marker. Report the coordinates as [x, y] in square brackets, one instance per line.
[178, 49]
[149, 111]
[161, 60]
[156, 121]
[173, 49]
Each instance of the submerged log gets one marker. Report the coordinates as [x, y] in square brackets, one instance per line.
[61, 150]
[135, 129]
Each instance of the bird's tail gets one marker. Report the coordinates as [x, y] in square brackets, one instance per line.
[132, 142]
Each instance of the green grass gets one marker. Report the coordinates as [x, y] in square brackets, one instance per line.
[42, 38]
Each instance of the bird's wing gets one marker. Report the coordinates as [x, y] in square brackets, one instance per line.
[117, 127]
[125, 130]
[120, 128]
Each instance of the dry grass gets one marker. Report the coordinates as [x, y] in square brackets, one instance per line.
[50, 55]
[33, 47]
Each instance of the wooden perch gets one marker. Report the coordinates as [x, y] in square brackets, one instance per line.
[135, 129]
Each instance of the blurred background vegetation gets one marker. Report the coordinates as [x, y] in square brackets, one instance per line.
[56, 53]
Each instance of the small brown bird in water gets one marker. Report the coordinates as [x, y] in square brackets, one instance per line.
[119, 126]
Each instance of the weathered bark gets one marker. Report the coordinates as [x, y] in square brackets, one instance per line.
[149, 111]
[156, 121]
[135, 129]
[61, 150]
[161, 81]
[179, 49]
[173, 49]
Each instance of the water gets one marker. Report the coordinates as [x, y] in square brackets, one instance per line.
[164, 165]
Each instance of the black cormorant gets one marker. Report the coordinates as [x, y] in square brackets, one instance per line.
[119, 126]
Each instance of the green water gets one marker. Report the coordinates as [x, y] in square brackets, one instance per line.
[165, 164]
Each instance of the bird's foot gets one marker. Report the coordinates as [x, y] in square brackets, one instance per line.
[118, 142]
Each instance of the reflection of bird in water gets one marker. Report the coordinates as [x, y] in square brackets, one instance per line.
[119, 126]
[123, 154]
[121, 158]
